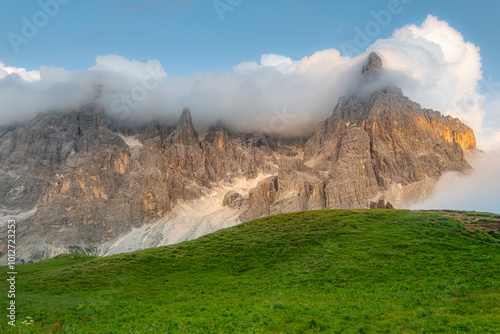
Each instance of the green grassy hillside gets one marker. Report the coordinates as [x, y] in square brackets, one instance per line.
[332, 271]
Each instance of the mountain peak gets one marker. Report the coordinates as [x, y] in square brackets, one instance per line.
[374, 63]
[185, 116]
[185, 133]
[217, 135]
[371, 74]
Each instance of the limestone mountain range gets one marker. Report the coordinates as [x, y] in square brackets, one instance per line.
[81, 182]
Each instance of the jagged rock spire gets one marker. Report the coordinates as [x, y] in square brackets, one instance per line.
[217, 134]
[372, 70]
[374, 62]
[185, 133]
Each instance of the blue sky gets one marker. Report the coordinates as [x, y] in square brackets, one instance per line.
[188, 35]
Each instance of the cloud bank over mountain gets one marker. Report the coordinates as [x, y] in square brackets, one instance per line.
[432, 63]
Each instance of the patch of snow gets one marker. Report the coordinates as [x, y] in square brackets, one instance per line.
[131, 141]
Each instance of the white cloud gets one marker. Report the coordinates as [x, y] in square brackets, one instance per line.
[479, 190]
[431, 63]
[28, 76]
[131, 68]
[280, 63]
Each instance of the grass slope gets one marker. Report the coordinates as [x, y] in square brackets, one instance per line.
[361, 271]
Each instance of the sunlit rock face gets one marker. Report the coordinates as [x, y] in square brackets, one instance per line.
[369, 146]
[81, 183]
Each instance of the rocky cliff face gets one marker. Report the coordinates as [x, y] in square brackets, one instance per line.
[376, 146]
[81, 183]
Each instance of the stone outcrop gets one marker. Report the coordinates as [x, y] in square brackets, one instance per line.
[381, 205]
[261, 198]
[233, 200]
